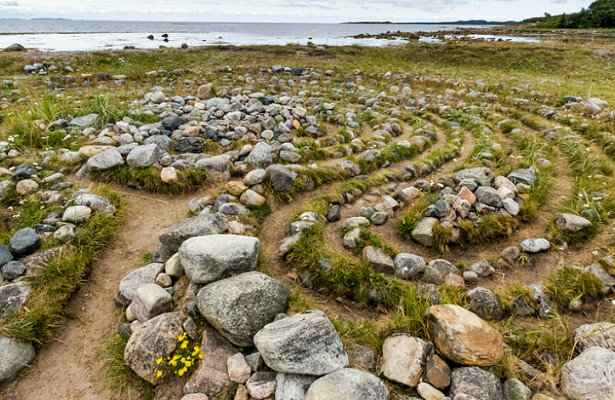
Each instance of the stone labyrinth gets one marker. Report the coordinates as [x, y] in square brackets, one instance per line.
[355, 236]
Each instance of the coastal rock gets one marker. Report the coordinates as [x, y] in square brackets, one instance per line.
[209, 258]
[240, 306]
[305, 343]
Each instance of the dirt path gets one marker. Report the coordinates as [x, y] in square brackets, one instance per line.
[68, 368]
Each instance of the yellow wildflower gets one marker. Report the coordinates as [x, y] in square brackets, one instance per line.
[158, 374]
[159, 361]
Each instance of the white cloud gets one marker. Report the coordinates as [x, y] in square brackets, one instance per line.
[286, 10]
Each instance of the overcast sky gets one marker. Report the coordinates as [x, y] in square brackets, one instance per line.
[286, 10]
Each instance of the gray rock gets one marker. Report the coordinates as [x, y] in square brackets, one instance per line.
[348, 384]
[149, 301]
[211, 375]
[292, 386]
[535, 245]
[95, 202]
[260, 156]
[485, 304]
[379, 260]
[254, 177]
[599, 334]
[5, 255]
[238, 369]
[106, 160]
[404, 358]
[305, 343]
[281, 178]
[488, 195]
[85, 121]
[334, 213]
[75, 214]
[590, 376]
[476, 384]
[511, 206]
[12, 297]
[524, 176]
[482, 175]
[352, 168]
[25, 241]
[14, 356]
[379, 218]
[423, 232]
[144, 156]
[261, 385]
[409, 266]
[190, 145]
[154, 339]
[209, 258]
[514, 389]
[13, 270]
[437, 270]
[217, 168]
[136, 278]
[201, 225]
[234, 208]
[482, 268]
[571, 222]
[239, 307]
[362, 357]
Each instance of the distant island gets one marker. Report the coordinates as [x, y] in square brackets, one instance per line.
[467, 22]
[599, 14]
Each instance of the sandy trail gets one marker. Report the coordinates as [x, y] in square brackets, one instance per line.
[68, 367]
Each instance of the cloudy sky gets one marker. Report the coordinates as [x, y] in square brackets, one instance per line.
[286, 10]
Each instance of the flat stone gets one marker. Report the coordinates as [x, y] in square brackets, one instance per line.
[571, 222]
[200, 225]
[535, 245]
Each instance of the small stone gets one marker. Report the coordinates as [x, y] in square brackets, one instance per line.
[535, 245]
[262, 384]
[514, 389]
[429, 392]
[238, 369]
[168, 175]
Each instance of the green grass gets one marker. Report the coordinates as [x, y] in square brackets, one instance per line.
[568, 284]
[53, 285]
[149, 179]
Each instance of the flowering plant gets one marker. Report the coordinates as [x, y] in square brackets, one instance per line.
[184, 359]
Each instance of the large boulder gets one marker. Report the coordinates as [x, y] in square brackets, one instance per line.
[12, 297]
[106, 160]
[204, 224]
[600, 334]
[348, 384]
[209, 258]
[305, 343]
[155, 339]
[481, 175]
[404, 358]
[211, 375]
[261, 156]
[15, 47]
[463, 337]
[473, 383]
[144, 156]
[590, 376]
[14, 356]
[136, 278]
[240, 306]
[571, 222]
[25, 241]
